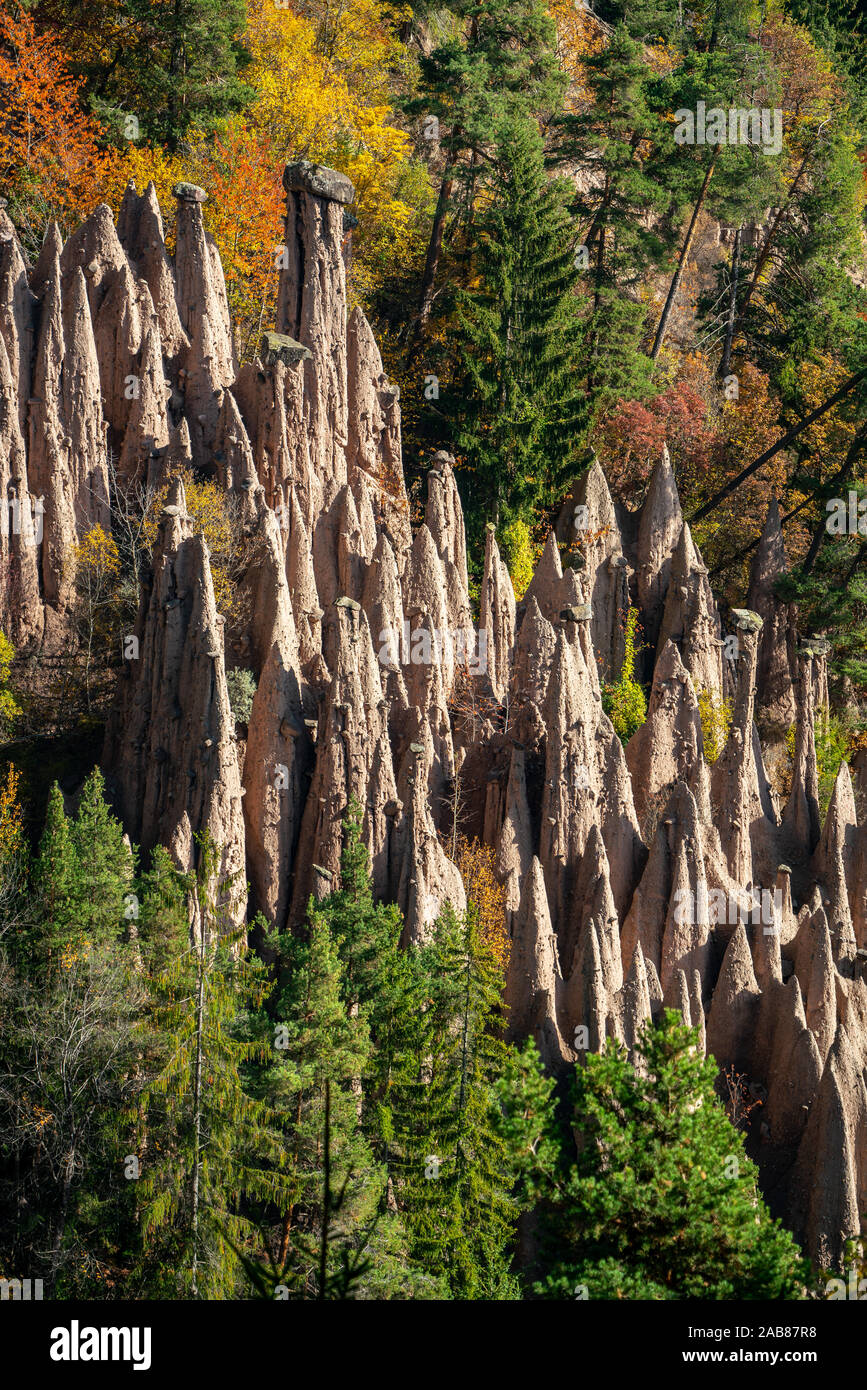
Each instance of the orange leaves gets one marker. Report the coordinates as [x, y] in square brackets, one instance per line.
[49, 160]
[241, 173]
[12, 842]
[578, 35]
[485, 894]
[811, 90]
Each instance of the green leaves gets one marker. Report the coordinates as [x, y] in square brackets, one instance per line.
[660, 1200]
[517, 416]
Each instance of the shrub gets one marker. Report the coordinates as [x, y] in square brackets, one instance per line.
[485, 896]
[242, 688]
[519, 554]
[623, 700]
[716, 720]
[215, 516]
[9, 706]
[834, 742]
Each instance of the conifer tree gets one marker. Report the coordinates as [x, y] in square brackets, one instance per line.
[658, 1200]
[724, 67]
[69, 1045]
[377, 976]
[105, 864]
[54, 880]
[498, 63]
[207, 1143]
[174, 68]
[338, 1237]
[453, 1177]
[613, 140]
[83, 871]
[517, 414]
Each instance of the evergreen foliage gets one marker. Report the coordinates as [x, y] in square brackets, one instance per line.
[453, 1174]
[660, 1201]
[517, 416]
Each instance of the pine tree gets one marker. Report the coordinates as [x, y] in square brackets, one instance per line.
[724, 67]
[174, 67]
[498, 63]
[809, 304]
[377, 976]
[832, 595]
[609, 141]
[83, 872]
[207, 1144]
[54, 874]
[68, 1046]
[452, 1172]
[338, 1238]
[105, 864]
[659, 1200]
[517, 415]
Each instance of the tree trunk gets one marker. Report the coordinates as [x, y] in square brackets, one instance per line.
[762, 258]
[326, 1194]
[725, 364]
[775, 448]
[63, 1214]
[431, 265]
[681, 264]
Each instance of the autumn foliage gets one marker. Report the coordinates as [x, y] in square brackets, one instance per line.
[485, 895]
[50, 161]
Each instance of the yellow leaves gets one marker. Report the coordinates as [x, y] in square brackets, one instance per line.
[145, 164]
[811, 90]
[832, 434]
[11, 823]
[96, 554]
[577, 37]
[324, 90]
[716, 718]
[40, 1117]
[7, 656]
[520, 554]
[209, 507]
[486, 895]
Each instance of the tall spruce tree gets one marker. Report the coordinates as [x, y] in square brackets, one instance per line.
[658, 1200]
[68, 1047]
[54, 884]
[82, 874]
[499, 62]
[338, 1235]
[453, 1177]
[516, 410]
[377, 976]
[105, 864]
[207, 1143]
[723, 67]
[621, 204]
